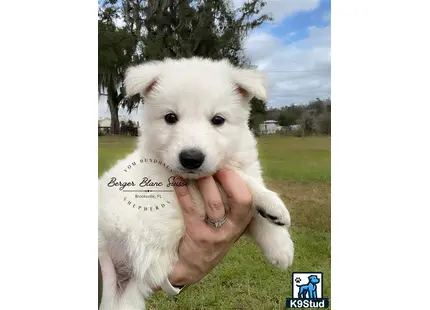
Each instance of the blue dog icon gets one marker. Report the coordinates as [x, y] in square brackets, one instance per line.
[309, 289]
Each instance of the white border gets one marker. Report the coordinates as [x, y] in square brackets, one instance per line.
[49, 155]
[380, 153]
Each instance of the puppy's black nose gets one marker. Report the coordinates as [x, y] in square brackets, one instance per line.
[191, 158]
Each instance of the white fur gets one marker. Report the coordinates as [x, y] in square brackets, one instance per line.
[143, 244]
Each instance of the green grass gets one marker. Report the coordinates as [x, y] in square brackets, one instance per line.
[113, 148]
[300, 160]
[299, 170]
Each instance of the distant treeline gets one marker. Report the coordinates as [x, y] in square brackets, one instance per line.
[306, 119]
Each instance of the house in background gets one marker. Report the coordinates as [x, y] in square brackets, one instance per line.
[270, 126]
[127, 126]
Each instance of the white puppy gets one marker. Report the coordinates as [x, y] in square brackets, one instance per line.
[195, 121]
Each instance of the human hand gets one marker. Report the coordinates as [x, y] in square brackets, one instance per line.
[202, 246]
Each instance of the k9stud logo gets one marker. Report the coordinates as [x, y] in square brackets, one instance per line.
[307, 291]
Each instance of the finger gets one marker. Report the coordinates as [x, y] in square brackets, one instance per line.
[214, 205]
[184, 198]
[238, 194]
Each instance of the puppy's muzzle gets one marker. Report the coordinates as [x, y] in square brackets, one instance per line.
[191, 158]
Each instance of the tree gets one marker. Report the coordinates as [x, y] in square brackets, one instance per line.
[328, 104]
[157, 29]
[117, 50]
[211, 28]
[323, 123]
[317, 105]
[307, 122]
[273, 113]
[257, 115]
[286, 118]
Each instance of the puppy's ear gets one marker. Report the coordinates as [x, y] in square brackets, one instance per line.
[250, 83]
[142, 79]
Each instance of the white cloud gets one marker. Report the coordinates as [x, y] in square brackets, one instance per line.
[298, 72]
[283, 8]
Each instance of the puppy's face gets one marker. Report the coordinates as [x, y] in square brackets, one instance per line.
[195, 111]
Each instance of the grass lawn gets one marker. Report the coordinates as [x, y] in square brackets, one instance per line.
[299, 170]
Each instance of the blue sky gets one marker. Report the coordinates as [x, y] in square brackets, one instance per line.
[298, 22]
[294, 50]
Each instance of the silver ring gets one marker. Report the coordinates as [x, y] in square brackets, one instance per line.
[216, 224]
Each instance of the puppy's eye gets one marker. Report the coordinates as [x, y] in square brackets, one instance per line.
[171, 118]
[218, 120]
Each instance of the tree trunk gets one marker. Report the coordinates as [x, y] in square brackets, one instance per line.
[112, 101]
[114, 120]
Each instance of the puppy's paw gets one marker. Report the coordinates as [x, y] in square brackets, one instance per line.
[271, 207]
[279, 250]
